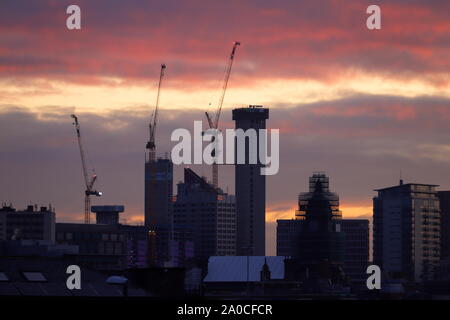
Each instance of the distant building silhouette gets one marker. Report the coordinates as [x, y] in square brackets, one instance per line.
[159, 205]
[321, 238]
[107, 214]
[317, 252]
[444, 200]
[406, 231]
[206, 216]
[28, 224]
[356, 249]
[107, 246]
[250, 188]
[356, 244]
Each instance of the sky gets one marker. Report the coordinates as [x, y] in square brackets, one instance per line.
[365, 106]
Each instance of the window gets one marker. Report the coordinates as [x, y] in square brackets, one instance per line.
[34, 276]
[3, 277]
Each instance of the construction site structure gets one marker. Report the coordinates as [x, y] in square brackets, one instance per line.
[89, 182]
[214, 122]
[151, 144]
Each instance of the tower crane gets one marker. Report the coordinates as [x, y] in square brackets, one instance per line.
[151, 146]
[89, 183]
[214, 122]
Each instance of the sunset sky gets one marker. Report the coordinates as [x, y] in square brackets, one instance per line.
[362, 105]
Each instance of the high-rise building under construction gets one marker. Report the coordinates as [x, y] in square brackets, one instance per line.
[158, 204]
[250, 187]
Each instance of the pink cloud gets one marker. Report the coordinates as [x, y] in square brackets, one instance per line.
[290, 40]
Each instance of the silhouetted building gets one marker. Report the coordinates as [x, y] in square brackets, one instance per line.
[41, 248]
[356, 249]
[205, 216]
[101, 246]
[318, 251]
[250, 186]
[406, 233]
[239, 275]
[320, 238]
[444, 200]
[31, 276]
[107, 214]
[137, 246]
[159, 205]
[29, 224]
[182, 250]
[265, 273]
[110, 246]
[356, 244]
[288, 231]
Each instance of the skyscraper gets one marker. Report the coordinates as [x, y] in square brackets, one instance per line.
[159, 205]
[406, 233]
[206, 216]
[250, 187]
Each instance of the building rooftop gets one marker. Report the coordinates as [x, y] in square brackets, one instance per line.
[108, 208]
[38, 276]
[402, 185]
[234, 268]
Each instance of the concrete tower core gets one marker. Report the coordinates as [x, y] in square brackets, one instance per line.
[250, 188]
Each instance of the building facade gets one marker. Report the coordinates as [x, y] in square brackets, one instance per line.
[444, 201]
[29, 224]
[356, 248]
[108, 245]
[206, 217]
[159, 205]
[321, 238]
[406, 233]
[356, 244]
[250, 186]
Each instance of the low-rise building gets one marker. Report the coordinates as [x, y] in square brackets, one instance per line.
[28, 224]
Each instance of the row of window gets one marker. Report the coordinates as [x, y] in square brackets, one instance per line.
[89, 236]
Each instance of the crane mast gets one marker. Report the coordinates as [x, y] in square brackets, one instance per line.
[151, 145]
[89, 183]
[214, 123]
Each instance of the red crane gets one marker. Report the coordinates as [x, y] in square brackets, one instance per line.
[89, 183]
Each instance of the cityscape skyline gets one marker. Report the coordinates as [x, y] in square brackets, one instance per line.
[364, 107]
[131, 216]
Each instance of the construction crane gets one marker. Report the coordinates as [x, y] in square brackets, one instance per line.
[151, 146]
[214, 123]
[89, 183]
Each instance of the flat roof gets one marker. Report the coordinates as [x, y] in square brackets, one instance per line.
[407, 184]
